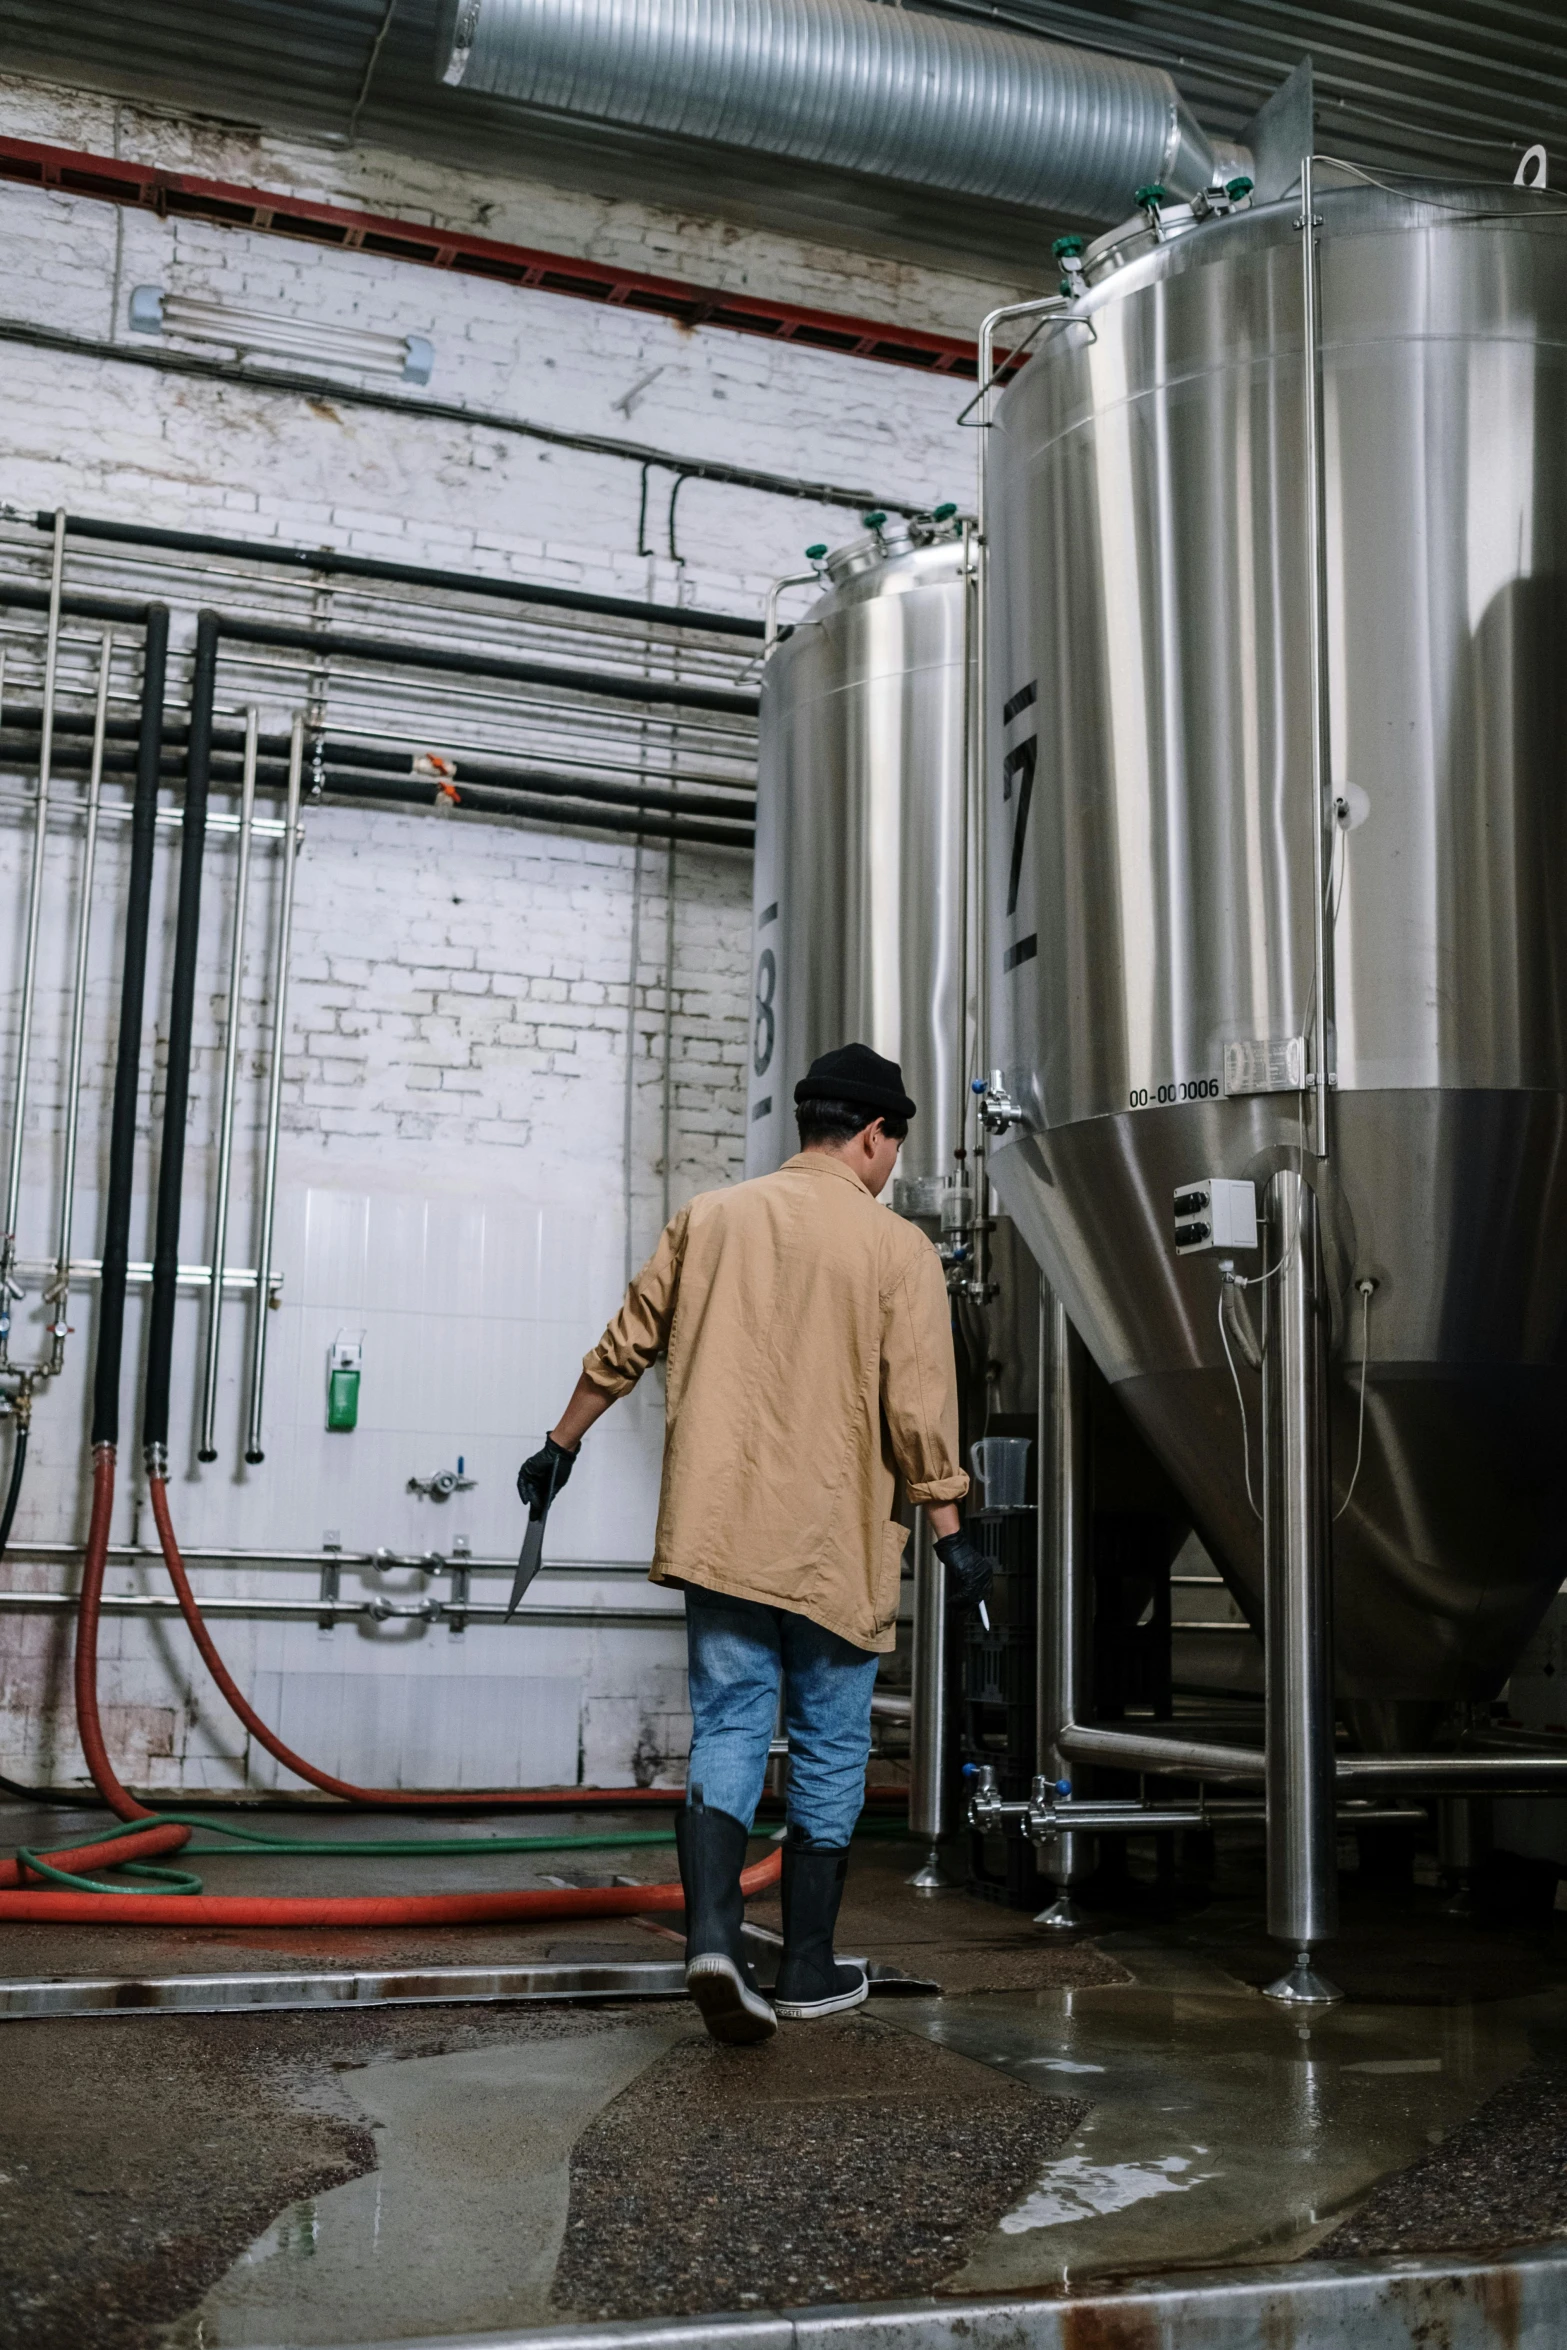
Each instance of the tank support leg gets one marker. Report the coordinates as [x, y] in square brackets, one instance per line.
[1463, 1828]
[929, 1772]
[1062, 1661]
[1298, 1625]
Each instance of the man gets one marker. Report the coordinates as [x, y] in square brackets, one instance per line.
[810, 1363]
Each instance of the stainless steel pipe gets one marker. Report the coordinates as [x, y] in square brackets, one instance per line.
[1297, 1618]
[1317, 655]
[59, 1288]
[24, 1039]
[206, 1449]
[426, 1608]
[1455, 1774]
[930, 1815]
[1188, 1758]
[285, 927]
[1063, 1657]
[1180, 1758]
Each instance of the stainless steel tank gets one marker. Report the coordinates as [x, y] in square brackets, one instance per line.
[1149, 809]
[859, 843]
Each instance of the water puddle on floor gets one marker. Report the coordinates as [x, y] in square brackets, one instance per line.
[459, 2227]
[1221, 2127]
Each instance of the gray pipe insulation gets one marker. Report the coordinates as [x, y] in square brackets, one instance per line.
[928, 100]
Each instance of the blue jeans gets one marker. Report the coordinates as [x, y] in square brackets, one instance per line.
[738, 1651]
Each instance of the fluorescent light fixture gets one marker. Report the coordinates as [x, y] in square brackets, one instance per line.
[153, 312]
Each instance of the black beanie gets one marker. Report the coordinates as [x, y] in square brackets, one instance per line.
[856, 1075]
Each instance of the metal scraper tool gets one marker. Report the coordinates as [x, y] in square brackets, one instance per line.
[528, 1563]
[532, 1549]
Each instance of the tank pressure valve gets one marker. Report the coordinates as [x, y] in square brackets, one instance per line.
[996, 1107]
[1214, 1211]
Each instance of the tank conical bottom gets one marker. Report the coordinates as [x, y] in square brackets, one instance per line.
[1455, 1535]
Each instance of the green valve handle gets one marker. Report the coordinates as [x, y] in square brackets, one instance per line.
[815, 554]
[873, 520]
[1068, 248]
[1150, 198]
[943, 513]
[1237, 188]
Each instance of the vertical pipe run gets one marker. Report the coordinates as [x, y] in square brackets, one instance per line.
[1317, 641]
[285, 926]
[1298, 1620]
[59, 1289]
[206, 1449]
[1065, 1621]
[127, 1066]
[24, 1038]
[182, 1011]
[929, 1810]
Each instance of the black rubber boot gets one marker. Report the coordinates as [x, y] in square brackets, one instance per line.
[711, 1845]
[811, 1982]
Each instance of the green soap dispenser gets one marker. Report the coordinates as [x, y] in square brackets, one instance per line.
[344, 1363]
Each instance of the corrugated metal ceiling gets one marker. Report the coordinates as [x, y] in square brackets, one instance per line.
[1462, 88]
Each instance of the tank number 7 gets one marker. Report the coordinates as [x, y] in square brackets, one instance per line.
[1019, 765]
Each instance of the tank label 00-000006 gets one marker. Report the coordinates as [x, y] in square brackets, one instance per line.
[1188, 1089]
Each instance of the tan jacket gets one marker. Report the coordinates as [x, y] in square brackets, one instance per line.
[810, 1359]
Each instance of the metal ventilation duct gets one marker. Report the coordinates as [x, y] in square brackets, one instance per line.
[851, 84]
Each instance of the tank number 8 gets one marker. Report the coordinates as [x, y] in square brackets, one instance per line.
[766, 1024]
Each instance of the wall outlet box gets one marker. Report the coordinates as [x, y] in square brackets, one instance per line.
[1214, 1211]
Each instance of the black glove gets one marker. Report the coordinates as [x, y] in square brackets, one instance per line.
[969, 1573]
[542, 1475]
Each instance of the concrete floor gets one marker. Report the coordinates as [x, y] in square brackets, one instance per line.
[1059, 2115]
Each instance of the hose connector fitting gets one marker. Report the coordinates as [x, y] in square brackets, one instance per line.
[155, 1458]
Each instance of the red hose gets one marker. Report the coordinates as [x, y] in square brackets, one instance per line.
[89, 1729]
[81, 1857]
[413, 1909]
[215, 1909]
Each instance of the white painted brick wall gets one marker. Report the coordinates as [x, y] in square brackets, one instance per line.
[465, 1016]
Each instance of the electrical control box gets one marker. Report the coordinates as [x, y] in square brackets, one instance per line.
[1214, 1211]
[344, 1363]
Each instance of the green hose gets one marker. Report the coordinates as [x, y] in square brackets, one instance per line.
[253, 1846]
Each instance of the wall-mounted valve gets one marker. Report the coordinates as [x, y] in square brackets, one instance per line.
[443, 1484]
[997, 1109]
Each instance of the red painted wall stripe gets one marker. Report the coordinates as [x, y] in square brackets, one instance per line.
[180, 195]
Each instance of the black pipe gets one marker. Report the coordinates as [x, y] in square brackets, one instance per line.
[75, 607]
[354, 766]
[182, 1012]
[578, 681]
[21, 722]
[127, 1067]
[13, 1491]
[326, 560]
[615, 687]
[407, 789]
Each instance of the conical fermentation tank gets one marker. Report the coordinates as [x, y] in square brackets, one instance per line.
[859, 842]
[1149, 808]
